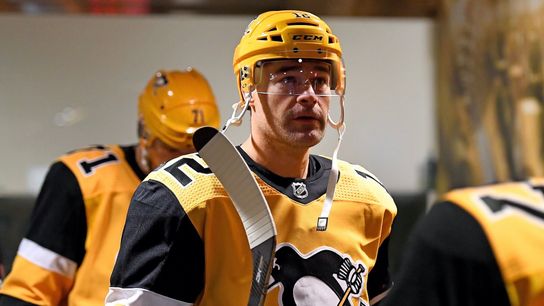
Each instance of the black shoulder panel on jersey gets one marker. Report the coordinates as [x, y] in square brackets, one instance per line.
[58, 220]
[6, 300]
[379, 279]
[160, 250]
[316, 182]
[440, 231]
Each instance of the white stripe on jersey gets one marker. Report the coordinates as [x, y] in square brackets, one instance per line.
[139, 297]
[46, 258]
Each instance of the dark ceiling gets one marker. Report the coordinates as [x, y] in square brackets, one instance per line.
[369, 8]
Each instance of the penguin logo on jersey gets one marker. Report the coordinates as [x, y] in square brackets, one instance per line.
[330, 278]
[299, 190]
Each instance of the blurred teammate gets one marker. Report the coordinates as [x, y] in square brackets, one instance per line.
[480, 246]
[184, 243]
[68, 253]
[484, 244]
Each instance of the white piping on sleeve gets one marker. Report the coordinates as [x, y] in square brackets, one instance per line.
[46, 258]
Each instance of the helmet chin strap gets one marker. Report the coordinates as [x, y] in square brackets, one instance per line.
[340, 126]
[236, 118]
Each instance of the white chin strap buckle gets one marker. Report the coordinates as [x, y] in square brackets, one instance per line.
[236, 118]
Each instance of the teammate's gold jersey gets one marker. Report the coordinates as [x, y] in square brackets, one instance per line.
[512, 216]
[67, 256]
[189, 214]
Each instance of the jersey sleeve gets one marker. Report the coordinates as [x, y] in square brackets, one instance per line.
[448, 261]
[48, 256]
[379, 279]
[161, 259]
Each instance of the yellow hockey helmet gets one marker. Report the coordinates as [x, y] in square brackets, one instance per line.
[176, 103]
[288, 34]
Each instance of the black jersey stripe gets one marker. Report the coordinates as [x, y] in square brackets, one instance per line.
[59, 212]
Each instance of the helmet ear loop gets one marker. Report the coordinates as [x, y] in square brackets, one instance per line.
[238, 112]
[340, 123]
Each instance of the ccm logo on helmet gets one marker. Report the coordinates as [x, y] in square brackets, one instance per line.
[307, 37]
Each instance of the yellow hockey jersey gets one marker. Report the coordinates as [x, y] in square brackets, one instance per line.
[512, 217]
[67, 255]
[184, 243]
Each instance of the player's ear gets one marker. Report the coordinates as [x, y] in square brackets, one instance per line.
[253, 96]
[142, 143]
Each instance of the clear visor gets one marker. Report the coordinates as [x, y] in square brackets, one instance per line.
[297, 77]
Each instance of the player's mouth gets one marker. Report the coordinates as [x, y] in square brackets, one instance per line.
[307, 117]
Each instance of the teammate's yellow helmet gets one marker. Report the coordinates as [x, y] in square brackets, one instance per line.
[176, 103]
[288, 34]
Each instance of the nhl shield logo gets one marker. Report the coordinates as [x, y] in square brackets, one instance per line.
[299, 190]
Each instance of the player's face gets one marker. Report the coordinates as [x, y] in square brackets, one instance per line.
[291, 102]
[159, 153]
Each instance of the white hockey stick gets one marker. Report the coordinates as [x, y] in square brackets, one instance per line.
[230, 168]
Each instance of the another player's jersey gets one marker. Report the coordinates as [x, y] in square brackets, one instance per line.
[479, 246]
[184, 243]
[512, 217]
[67, 255]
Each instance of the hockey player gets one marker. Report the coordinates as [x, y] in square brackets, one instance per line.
[68, 253]
[184, 243]
[478, 246]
